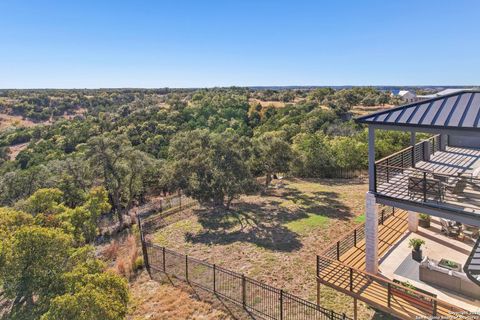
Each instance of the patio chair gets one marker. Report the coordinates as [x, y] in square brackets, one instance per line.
[470, 232]
[449, 228]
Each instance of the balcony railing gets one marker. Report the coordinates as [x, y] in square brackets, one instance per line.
[400, 176]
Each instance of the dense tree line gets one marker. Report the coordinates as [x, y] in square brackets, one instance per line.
[213, 145]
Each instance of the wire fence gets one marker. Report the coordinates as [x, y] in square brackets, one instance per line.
[259, 298]
[342, 173]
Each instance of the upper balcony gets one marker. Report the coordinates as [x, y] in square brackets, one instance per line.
[424, 173]
[439, 176]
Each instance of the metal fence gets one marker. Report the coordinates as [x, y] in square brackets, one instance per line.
[350, 240]
[151, 222]
[395, 164]
[258, 298]
[342, 173]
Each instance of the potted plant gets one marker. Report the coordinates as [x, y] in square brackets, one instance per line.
[416, 245]
[424, 220]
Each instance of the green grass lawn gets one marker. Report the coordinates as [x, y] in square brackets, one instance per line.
[274, 237]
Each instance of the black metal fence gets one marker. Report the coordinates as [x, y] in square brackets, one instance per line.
[151, 222]
[342, 173]
[258, 298]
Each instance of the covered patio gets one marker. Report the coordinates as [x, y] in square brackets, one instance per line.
[447, 284]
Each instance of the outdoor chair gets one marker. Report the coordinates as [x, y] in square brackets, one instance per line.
[449, 228]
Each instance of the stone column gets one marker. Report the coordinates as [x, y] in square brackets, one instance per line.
[371, 234]
[412, 221]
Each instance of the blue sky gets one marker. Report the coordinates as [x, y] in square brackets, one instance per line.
[65, 44]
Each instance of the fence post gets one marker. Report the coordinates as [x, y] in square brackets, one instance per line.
[214, 278]
[244, 291]
[281, 304]
[163, 260]
[338, 250]
[186, 268]
[424, 187]
[389, 294]
[180, 199]
[382, 216]
[434, 308]
[355, 237]
[144, 246]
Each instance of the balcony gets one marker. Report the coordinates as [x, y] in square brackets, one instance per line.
[424, 174]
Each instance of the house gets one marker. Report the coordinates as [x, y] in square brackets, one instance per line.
[441, 93]
[439, 177]
[407, 96]
[436, 180]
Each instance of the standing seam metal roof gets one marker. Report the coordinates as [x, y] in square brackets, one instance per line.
[459, 110]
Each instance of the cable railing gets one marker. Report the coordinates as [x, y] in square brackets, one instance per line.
[346, 242]
[422, 185]
[411, 155]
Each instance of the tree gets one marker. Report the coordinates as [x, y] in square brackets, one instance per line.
[46, 201]
[271, 155]
[97, 296]
[33, 263]
[122, 168]
[209, 167]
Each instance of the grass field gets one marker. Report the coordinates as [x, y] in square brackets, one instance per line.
[152, 300]
[275, 237]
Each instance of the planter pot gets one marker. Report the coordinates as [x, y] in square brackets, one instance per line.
[417, 255]
[424, 223]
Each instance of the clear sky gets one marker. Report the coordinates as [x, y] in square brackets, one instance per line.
[202, 43]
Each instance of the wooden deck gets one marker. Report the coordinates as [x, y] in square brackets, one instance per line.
[388, 234]
[348, 276]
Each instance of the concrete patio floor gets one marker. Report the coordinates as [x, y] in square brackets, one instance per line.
[398, 264]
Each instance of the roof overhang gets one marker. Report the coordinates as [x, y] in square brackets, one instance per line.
[457, 114]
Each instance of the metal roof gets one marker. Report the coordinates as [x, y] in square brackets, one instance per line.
[459, 110]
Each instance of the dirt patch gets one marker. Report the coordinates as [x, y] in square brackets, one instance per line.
[9, 121]
[275, 237]
[16, 149]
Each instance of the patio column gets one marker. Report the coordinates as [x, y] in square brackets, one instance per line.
[371, 234]
[412, 138]
[412, 221]
[371, 158]
[443, 142]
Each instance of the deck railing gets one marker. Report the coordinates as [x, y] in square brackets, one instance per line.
[350, 240]
[381, 292]
[404, 159]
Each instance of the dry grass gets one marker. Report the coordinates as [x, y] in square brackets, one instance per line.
[8, 121]
[274, 238]
[363, 110]
[155, 301]
[123, 256]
